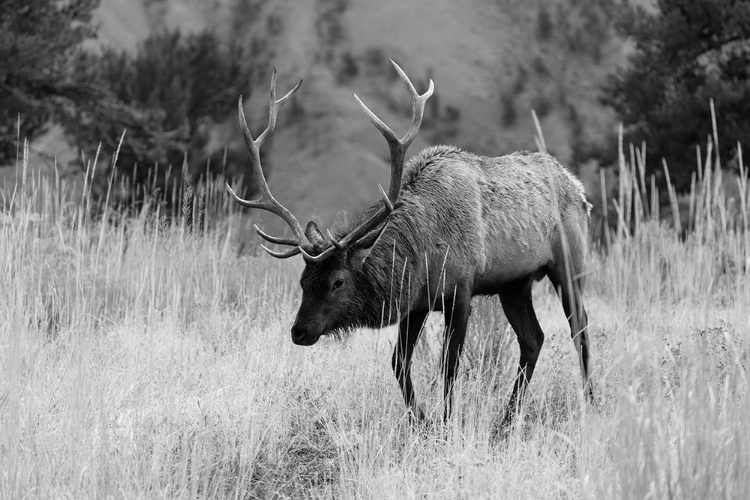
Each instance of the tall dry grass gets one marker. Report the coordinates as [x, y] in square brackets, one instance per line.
[142, 359]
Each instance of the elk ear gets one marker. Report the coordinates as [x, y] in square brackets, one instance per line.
[314, 235]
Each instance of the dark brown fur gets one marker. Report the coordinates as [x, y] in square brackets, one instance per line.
[463, 225]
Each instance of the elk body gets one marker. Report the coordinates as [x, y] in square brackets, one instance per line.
[452, 225]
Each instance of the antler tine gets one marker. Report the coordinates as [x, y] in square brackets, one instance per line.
[317, 258]
[332, 239]
[267, 201]
[364, 228]
[398, 146]
[398, 149]
[417, 105]
[274, 239]
[384, 129]
[282, 255]
[360, 232]
[273, 108]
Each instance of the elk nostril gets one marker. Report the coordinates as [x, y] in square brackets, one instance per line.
[298, 332]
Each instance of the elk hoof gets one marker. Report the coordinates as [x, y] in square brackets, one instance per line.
[417, 413]
[500, 430]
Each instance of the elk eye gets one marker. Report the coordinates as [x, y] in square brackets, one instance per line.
[337, 284]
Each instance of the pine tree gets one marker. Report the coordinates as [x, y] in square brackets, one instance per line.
[168, 96]
[686, 53]
[37, 39]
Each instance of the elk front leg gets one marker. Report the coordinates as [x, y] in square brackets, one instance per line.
[408, 333]
[456, 321]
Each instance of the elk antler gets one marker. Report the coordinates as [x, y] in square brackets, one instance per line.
[266, 200]
[398, 149]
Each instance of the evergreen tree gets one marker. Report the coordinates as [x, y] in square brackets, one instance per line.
[168, 96]
[686, 53]
[37, 39]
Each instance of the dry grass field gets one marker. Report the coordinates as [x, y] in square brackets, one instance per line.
[137, 361]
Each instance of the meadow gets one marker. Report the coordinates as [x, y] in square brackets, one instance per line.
[143, 358]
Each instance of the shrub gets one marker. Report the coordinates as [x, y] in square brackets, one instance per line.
[168, 96]
[37, 38]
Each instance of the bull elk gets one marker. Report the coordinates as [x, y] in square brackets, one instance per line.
[451, 226]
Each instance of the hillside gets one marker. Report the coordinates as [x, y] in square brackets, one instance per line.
[491, 62]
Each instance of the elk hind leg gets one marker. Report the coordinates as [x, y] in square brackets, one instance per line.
[519, 310]
[568, 281]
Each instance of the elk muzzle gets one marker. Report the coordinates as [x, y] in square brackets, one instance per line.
[303, 336]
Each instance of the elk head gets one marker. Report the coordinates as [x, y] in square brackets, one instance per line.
[334, 282]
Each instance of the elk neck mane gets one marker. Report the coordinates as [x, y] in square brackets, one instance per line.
[394, 270]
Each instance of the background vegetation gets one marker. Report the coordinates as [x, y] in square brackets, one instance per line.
[37, 40]
[144, 347]
[173, 92]
[687, 53]
[170, 95]
[173, 88]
